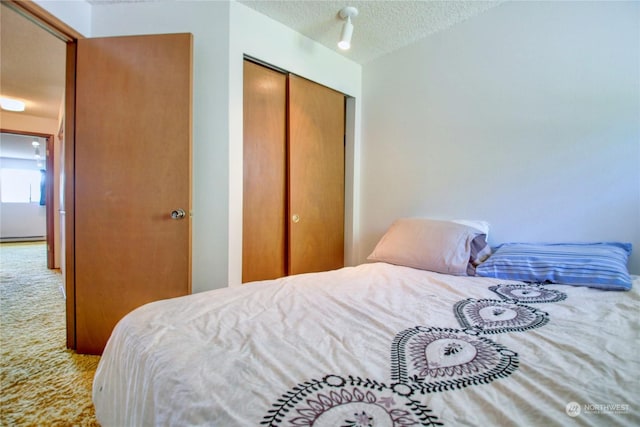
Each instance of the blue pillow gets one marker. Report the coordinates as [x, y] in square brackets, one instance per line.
[600, 265]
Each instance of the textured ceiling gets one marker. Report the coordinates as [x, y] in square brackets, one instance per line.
[379, 28]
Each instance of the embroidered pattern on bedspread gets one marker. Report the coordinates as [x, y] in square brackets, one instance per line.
[529, 293]
[492, 316]
[423, 360]
[436, 359]
[349, 402]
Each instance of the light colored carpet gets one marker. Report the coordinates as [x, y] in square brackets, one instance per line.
[42, 383]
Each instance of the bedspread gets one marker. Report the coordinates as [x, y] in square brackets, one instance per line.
[376, 344]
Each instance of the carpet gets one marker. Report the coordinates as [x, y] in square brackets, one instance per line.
[41, 382]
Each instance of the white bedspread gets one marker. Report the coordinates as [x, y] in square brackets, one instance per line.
[375, 345]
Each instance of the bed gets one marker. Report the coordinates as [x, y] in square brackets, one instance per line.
[379, 344]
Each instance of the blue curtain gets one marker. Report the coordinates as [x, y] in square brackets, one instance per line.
[43, 186]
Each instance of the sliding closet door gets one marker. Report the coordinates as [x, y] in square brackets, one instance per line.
[264, 185]
[316, 177]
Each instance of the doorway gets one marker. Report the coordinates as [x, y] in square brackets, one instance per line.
[26, 190]
[164, 61]
[33, 71]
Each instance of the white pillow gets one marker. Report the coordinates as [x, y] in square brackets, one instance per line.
[428, 244]
[477, 224]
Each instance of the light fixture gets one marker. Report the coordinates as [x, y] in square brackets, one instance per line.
[10, 104]
[347, 13]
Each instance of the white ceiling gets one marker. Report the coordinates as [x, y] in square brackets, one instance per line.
[32, 66]
[380, 27]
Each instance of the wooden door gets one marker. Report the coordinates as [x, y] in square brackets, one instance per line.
[132, 168]
[264, 182]
[316, 177]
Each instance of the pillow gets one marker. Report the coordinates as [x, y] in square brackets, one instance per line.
[434, 245]
[480, 251]
[600, 265]
[482, 226]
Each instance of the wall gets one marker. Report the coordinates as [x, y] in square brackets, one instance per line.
[223, 32]
[76, 15]
[21, 220]
[209, 24]
[526, 116]
[208, 21]
[32, 223]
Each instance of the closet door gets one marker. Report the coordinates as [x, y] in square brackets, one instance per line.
[264, 185]
[316, 177]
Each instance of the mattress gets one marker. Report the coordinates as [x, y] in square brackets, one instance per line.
[378, 345]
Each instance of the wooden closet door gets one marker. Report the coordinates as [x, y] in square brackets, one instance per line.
[316, 177]
[264, 184]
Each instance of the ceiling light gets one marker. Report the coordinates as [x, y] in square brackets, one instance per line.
[35, 143]
[347, 28]
[11, 104]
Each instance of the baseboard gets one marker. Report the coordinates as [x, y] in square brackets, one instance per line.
[23, 239]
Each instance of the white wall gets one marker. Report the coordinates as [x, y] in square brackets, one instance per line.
[21, 220]
[526, 116]
[223, 32]
[76, 14]
[208, 21]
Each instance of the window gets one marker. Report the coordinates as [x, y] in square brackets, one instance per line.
[22, 185]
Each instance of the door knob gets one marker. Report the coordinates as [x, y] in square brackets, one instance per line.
[178, 214]
[295, 218]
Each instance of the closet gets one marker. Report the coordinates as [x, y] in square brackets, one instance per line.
[293, 183]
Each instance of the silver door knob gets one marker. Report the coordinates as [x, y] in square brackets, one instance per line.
[178, 214]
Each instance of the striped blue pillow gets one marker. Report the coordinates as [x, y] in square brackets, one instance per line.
[598, 265]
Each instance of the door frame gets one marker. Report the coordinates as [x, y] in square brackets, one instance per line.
[70, 36]
[48, 183]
